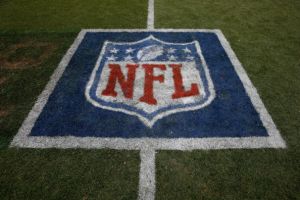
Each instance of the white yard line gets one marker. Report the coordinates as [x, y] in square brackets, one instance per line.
[150, 19]
[147, 182]
[147, 175]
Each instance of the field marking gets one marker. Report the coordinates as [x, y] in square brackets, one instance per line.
[147, 175]
[150, 18]
[148, 145]
[274, 140]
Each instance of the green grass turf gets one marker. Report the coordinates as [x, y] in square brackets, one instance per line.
[68, 174]
[52, 174]
[48, 173]
[265, 35]
[71, 15]
[22, 86]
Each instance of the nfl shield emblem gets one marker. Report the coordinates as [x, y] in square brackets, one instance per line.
[150, 79]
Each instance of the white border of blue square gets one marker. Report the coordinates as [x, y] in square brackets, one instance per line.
[273, 140]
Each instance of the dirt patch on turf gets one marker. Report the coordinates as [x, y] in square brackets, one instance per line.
[26, 54]
[5, 111]
[3, 80]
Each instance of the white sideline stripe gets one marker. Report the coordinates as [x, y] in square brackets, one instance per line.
[147, 30]
[150, 19]
[147, 175]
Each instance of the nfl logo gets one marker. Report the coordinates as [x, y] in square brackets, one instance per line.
[150, 79]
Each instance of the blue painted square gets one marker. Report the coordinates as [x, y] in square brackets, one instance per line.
[230, 113]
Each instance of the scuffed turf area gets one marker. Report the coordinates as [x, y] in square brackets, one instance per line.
[25, 70]
[265, 35]
[51, 174]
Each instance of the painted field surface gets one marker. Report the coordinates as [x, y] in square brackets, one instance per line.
[264, 34]
[68, 112]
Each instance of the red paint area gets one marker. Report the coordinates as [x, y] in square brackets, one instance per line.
[126, 85]
[149, 79]
[178, 84]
